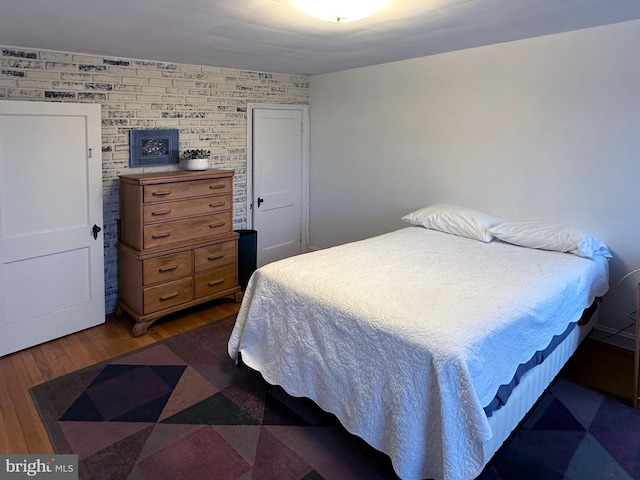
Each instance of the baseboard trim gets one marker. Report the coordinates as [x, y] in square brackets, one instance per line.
[612, 336]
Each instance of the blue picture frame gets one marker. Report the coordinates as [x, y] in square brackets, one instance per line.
[153, 148]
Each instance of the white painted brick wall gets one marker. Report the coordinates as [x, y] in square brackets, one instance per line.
[207, 105]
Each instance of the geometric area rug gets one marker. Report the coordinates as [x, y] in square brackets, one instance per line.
[180, 408]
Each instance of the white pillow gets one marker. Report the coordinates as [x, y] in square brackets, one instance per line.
[550, 236]
[461, 221]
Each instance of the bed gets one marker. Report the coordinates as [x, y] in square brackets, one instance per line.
[408, 337]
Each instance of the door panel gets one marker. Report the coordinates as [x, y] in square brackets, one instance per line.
[277, 176]
[282, 237]
[41, 194]
[50, 276]
[51, 267]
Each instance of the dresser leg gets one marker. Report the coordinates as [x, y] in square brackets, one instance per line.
[140, 328]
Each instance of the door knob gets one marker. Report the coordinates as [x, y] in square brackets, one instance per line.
[260, 200]
[96, 229]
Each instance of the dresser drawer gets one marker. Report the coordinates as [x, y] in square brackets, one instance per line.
[215, 256]
[165, 268]
[189, 229]
[159, 212]
[215, 281]
[178, 190]
[167, 295]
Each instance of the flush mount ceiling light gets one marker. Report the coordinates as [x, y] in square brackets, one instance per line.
[340, 11]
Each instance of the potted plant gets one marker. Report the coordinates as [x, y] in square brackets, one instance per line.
[196, 159]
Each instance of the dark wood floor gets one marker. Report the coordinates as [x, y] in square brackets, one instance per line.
[603, 367]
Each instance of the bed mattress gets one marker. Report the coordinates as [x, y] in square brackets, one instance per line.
[407, 336]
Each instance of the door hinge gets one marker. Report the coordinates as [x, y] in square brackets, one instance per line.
[90, 153]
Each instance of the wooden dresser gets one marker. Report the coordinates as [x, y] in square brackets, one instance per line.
[176, 245]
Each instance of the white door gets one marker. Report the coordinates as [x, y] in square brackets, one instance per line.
[279, 200]
[51, 266]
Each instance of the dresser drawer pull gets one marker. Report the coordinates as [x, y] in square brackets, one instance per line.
[169, 296]
[215, 257]
[213, 283]
[217, 186]
[161, 235]
[160, 212]
[214, 205]
[168, 269]
[216, 225]
[161, 194]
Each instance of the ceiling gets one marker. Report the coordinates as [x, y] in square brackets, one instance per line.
[274, 36]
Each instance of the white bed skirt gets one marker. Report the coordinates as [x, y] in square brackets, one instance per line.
[531, 387]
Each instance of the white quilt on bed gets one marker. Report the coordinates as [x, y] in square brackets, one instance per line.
[408, 335]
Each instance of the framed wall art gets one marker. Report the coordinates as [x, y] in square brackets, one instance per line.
[151, 148]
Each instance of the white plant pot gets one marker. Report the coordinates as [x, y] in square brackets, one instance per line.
[197, 164]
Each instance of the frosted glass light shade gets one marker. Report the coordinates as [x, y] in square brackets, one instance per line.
[340, 11]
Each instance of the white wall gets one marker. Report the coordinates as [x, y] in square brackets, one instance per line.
[540, 129]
